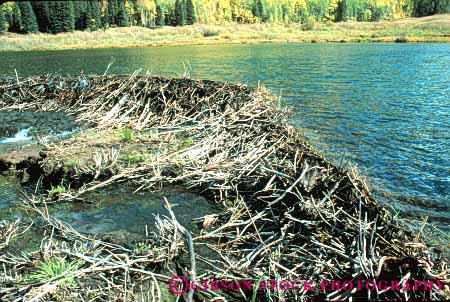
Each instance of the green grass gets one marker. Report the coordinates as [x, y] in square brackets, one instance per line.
[141, 248]
[52, 268]
[186, 143]
[72, 163]
[126, 135]
[56, 191]
[135, 157]
[427, 29]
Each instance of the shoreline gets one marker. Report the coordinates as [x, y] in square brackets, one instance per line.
[391, 40]
[412, 40]
[432, 29]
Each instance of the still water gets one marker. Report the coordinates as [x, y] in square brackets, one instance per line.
[383, 107]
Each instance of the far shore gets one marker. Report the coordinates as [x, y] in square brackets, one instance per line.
[427, 29]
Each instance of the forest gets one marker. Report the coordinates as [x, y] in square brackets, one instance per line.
[66, 16]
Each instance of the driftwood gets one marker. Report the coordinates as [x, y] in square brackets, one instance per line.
[288, 212]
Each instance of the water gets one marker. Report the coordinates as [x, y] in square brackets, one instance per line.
[114, 213]
[21, 128]
[20, 136]
[117, 210]
[384, 107]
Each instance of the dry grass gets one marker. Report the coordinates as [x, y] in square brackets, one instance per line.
[427, 29]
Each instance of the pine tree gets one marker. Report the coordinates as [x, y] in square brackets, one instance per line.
[104, 14]
[122, 16]
[112, 12]
[62, 16]
[191, 17]
[93, 15]
[258, 9]
[68, 16]
[2, 20]
[159, 16]
[178, 13]
[183, 12]
[16, 19]
[169, 17]
[41, 11]
[29, 23]
[80, 12]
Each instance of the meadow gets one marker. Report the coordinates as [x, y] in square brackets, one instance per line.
[426, 29]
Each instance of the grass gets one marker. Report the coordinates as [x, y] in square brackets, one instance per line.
[56, 191]
[73, 163]
[427, 29]
[126, 135]
[54, 267]
[135, 157]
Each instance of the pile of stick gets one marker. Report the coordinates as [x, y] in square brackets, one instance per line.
[288, 213]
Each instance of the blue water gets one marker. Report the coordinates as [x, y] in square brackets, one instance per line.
[383, 107]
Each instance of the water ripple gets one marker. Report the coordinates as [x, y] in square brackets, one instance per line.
[386, 107]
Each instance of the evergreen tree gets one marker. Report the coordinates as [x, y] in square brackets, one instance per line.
[16, 19]
[112, 12]
[93, 15]
[122, 16]
[80, 12]
[183, 12]
[62, 16]
[441, 6]
[258, 9]
[191, 17]
[159, 16]
[68, 16]
[2, 20]
[341, 12]
[427, 7]
[170, 17]
[29, 23]
[105, 15]
[178, 13]
[41, 11]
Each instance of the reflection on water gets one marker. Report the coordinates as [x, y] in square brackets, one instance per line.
[385, 107]
[115, 212]
[119, 210]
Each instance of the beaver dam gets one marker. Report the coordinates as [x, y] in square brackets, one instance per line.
[259, 202]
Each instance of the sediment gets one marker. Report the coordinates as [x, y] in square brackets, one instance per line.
[288, 212]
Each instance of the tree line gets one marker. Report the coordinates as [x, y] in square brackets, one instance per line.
[66, 16]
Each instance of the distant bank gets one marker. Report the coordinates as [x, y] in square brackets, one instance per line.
[426, 29]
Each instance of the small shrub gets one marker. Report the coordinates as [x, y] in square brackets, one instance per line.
[329, 23]
[54, 267]
[210, 33]
[310, 24]
[56, 191]
[134, 157]
[401, 39]
[126, 135]
[141, 248]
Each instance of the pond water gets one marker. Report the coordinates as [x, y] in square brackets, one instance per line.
[384, 107]
[21, 128]
[115, 213]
